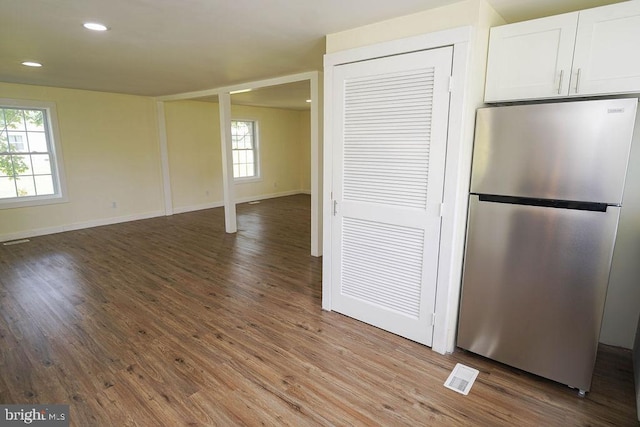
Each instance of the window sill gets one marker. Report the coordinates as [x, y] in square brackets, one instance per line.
[246, 180]
[32, 201]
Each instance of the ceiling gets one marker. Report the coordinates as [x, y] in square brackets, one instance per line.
[164, 47]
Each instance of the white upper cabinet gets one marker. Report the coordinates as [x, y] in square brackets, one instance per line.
[591, 52]
[531, 59]
[607, 54]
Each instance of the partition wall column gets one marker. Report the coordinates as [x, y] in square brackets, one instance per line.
[230, 225]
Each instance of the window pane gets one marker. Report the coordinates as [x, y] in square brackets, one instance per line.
[7, 188]
[28, 171]
[26, 186]
[243, 138]
[44, 185]
[17, 141]
[14, 119]
[6, 167]
[41, 164]
[21, 165]
[34, 120]
[37, 142]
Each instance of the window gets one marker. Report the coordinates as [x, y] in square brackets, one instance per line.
[245, 148]
[16, 143]
[29, 170]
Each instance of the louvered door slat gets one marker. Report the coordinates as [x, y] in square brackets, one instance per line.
[412, 95]
[389, 175]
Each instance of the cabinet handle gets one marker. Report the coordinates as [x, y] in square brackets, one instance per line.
[560, 84]
[578, 80]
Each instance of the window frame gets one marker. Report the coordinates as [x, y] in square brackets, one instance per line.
[54, 151]
[256, 151]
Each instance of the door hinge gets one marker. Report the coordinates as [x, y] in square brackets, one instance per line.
[433, 319]
[335, 207]
[441, 210]
[450, 83]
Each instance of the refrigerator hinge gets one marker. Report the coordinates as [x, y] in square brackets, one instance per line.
[450, 83]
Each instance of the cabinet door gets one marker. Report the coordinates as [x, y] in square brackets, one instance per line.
[606, 56]
[531, 59]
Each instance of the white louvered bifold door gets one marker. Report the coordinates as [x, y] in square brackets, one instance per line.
[390, 134]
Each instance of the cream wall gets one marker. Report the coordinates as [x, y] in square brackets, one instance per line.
[110, 150]
[111, 154]
[305, 151]
[195, 159]
[467, 12]
[280, 145]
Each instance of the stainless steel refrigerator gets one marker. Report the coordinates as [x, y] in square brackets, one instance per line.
[546, 191]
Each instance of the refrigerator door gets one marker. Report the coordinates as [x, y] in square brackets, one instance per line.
[534, 286]
[564, 151]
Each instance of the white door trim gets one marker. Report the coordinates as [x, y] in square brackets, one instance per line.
[459, 146]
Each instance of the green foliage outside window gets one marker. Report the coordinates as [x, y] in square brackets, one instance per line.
[15, 119]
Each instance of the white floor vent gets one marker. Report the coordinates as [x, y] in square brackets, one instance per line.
[461, 379]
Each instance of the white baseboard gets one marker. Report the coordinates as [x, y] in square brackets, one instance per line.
[212, 205]
[192, 208]
[77, 226]
[116, 220]
[269, 196]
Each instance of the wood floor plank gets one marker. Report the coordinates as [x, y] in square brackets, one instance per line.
[171, 321]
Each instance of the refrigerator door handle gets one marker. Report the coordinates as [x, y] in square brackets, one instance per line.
[558, 204]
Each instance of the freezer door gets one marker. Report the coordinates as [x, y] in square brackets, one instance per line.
[534, 287]
[565, 151]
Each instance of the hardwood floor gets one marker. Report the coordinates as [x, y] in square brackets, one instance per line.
[172, 322]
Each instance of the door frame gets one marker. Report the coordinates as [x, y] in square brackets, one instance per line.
[457, 169]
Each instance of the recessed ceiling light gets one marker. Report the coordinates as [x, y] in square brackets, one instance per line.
[308, 100]
[94, 26]
[31, 64]
[233, 92]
